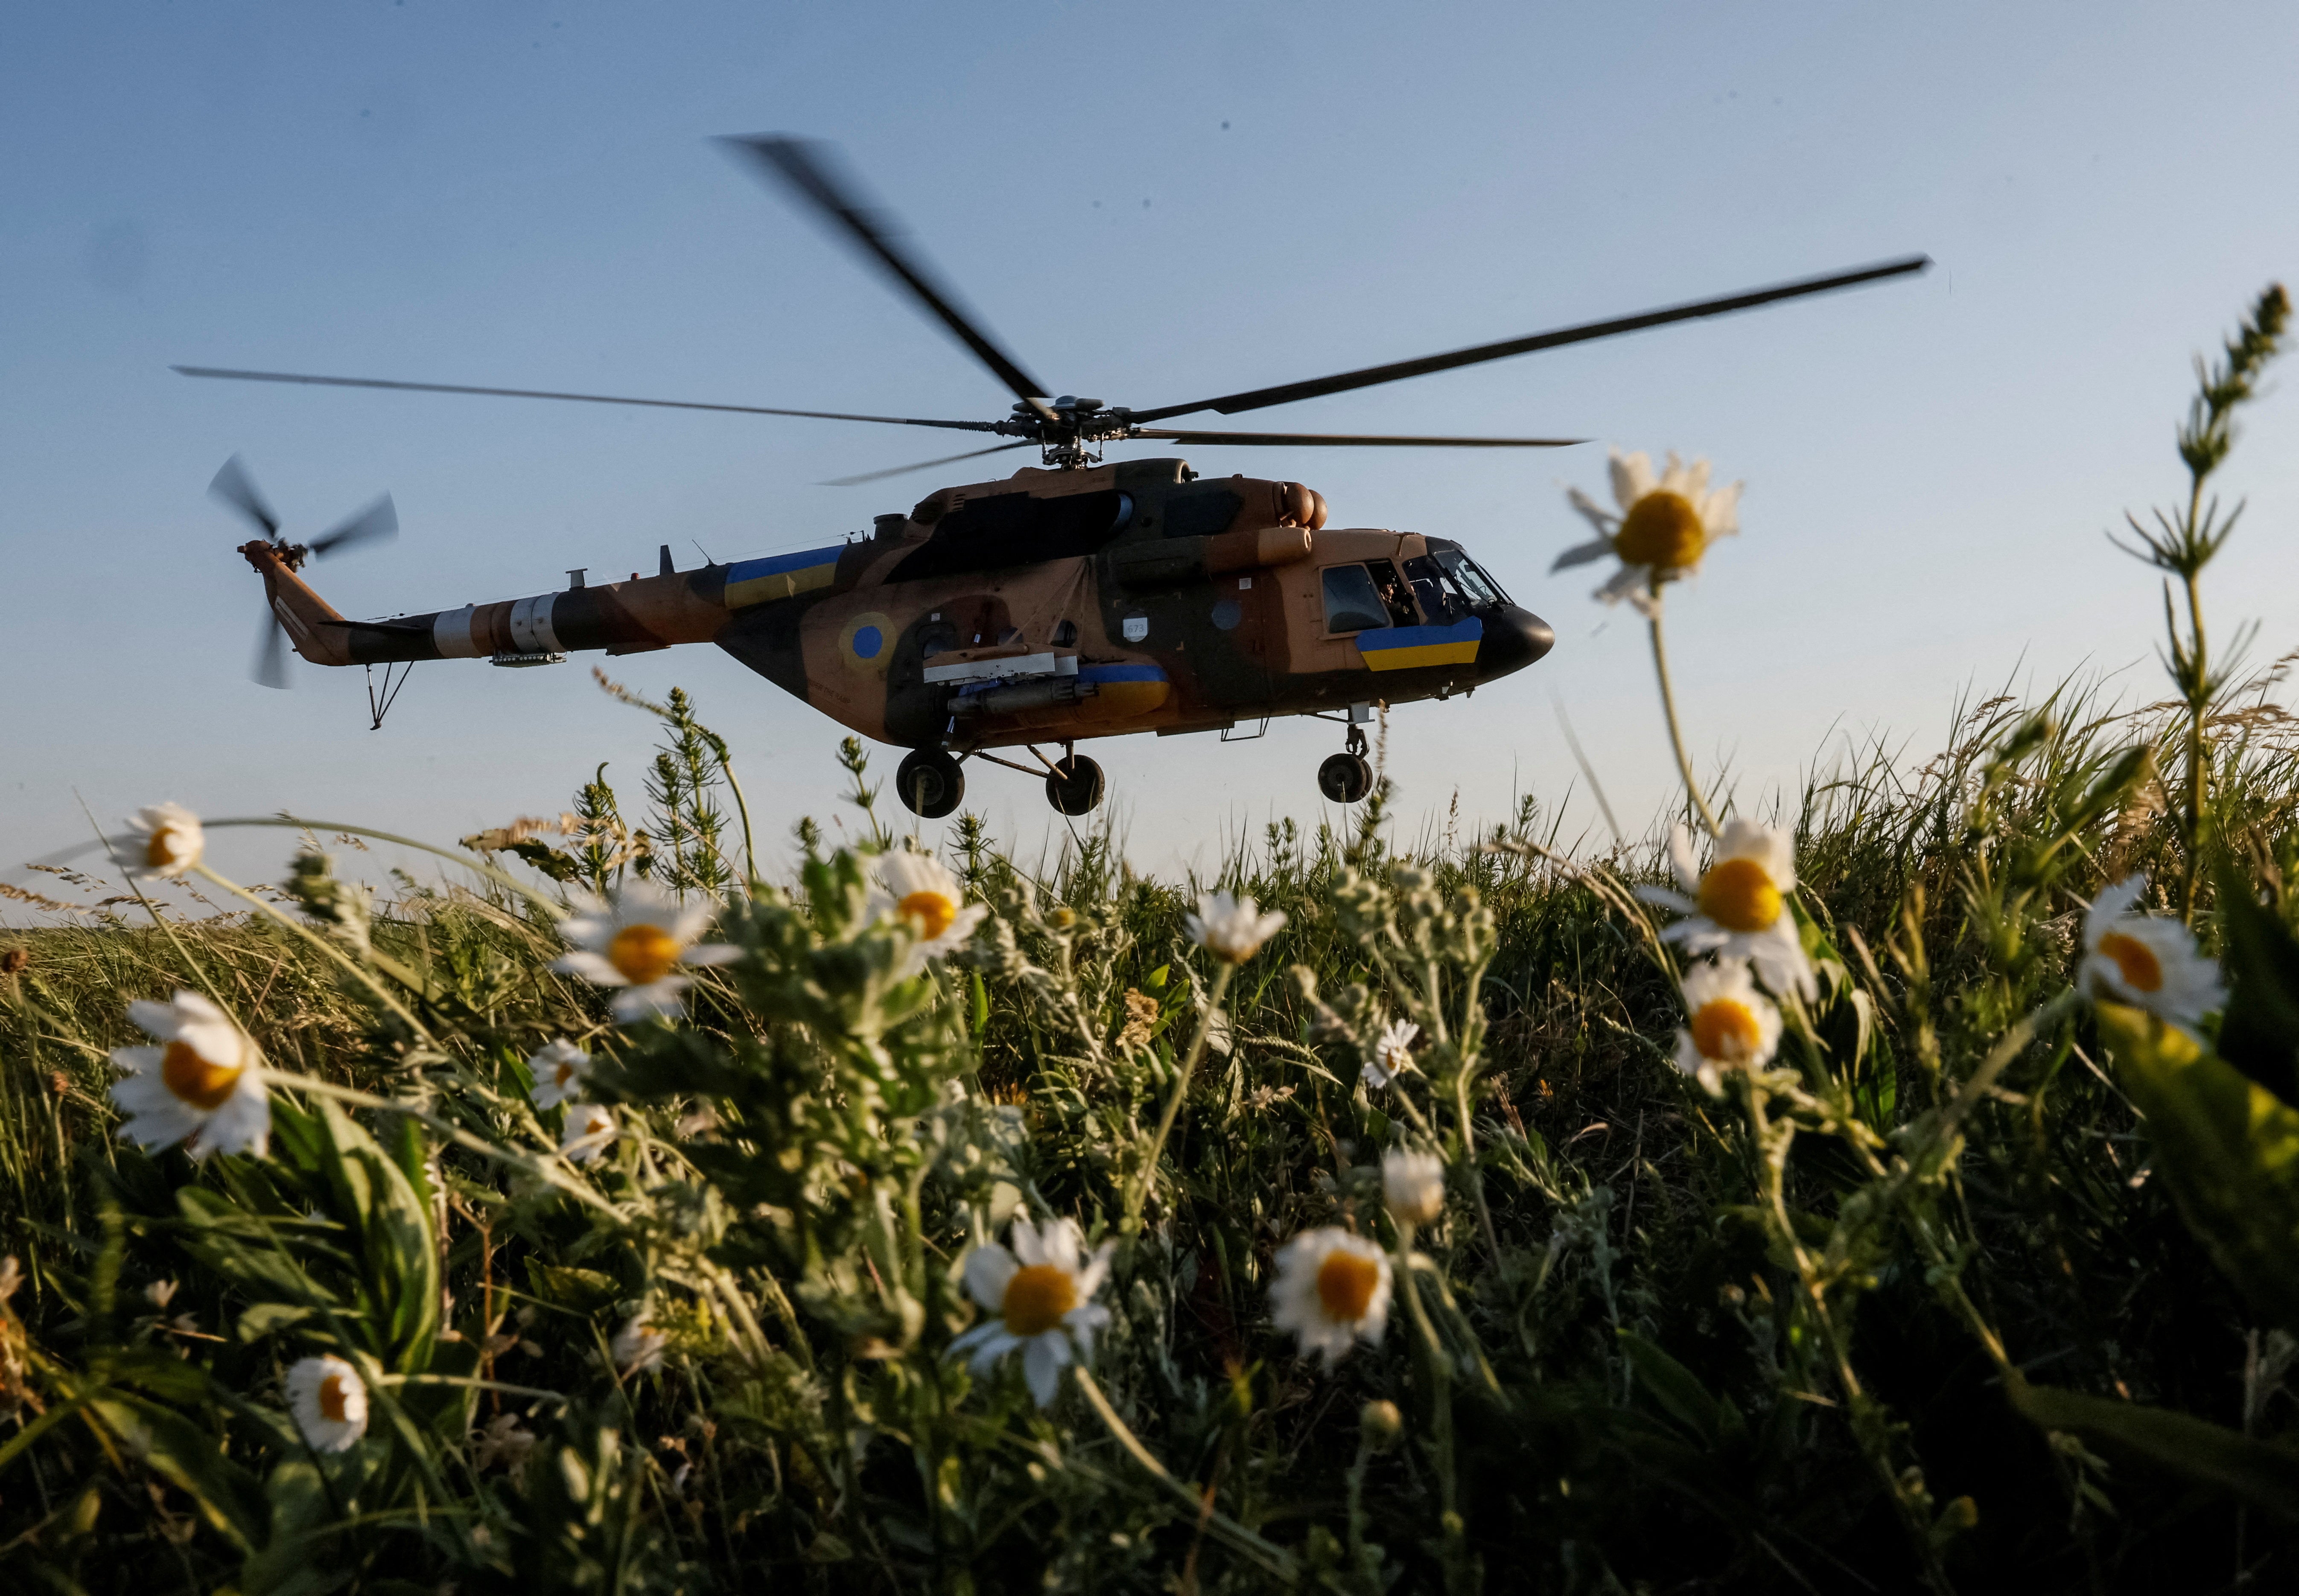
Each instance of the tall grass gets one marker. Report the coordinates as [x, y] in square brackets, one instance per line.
[1974, 1286]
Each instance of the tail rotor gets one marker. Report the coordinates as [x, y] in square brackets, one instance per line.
[377, 523]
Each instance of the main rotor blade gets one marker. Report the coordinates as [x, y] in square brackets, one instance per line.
[233, 485]
[661, 404]
[806, 166]
[271, 667]
[1349, 440]
[856, 481]
[1229, 404]
[378, 520]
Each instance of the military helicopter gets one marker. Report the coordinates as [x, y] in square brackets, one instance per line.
[1075, 599]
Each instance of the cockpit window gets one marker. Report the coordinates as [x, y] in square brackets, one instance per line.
[1441, 599]
[1481, 589]
[1352, 601]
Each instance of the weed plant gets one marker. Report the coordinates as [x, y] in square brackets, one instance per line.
[1495, 1221]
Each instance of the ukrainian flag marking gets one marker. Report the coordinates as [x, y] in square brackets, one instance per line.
[1409, 647]
[780, 577]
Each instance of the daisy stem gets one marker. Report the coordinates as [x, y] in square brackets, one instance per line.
[1278, 1561]
[383, 994]
[1140, 1192]
[1675, 732]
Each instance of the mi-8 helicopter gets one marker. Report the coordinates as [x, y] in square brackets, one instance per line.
[1074, 599]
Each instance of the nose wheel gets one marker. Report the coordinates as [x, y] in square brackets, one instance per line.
[1074, 785]
[1346, 777]
[929, 783]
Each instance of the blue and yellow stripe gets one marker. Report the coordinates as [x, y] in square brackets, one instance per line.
[1409, 647]
[780, 577]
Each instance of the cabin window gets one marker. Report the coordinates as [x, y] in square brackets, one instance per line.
[1352, 600]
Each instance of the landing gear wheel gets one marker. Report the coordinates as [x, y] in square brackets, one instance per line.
[1075, 786]
[929, 783]
[1345, 778]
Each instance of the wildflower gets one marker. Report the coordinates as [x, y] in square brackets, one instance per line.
[632, 941]
[1413, 1185]
[504, 1442]
[1663, 527]
[921, 893]
[203, 1084]
[1043, 1294]
[1733, 1026]
[328, 1401]
[161, 843]
[588, 1132]
[1382, 1424]
[1393, 1054]
[1332, 1290]
[1740, 908]
[559, 1069]
[2147, 961]
[1233, 928]
[638, 1346]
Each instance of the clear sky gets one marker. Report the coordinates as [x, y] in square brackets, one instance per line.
[1148, 203]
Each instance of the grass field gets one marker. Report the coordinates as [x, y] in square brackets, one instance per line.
[1901, 1209]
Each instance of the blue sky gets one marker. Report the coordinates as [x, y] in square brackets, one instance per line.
[1148, 204]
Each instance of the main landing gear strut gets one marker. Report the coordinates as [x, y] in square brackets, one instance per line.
[930, 784]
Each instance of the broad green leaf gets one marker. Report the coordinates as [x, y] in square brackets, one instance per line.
[2259, 1034]
[188, 1458]
[585, 1291]
[2263, 1473]
[2228, 1147]
[398, 1260]
[269, 1319]
[1676, 1388]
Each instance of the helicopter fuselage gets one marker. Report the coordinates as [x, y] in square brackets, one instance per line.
[1055, 606]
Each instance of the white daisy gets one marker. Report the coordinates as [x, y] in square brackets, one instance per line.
[634, 940]
[2146, 960]
[1733, 1026]
[1041, 1296]
[203, 1085]
[1332, 1290]
[1393, 1054]
[638, 1346]
[588, 1132]
[1413, 1185]
[559, 1070]
[1739, 907]
[920, 892]
[1232, 928]
[161, 843]
[328, 1401]
[1665, 526]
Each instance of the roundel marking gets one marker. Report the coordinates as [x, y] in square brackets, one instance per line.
[862, 643]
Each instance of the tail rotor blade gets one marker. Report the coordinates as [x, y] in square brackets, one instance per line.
[234, 487]
[271, 667]
[377, 523]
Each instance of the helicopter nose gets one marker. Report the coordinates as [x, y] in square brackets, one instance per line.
[1514, 639]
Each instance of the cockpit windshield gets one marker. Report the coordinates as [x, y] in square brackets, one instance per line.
[1480, 589]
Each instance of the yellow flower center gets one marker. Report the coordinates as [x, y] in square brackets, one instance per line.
[644, 953]
[162, 848]
[334, 1395]
[1345, 1285]
[1661, 530]
[199, 1081]
[1739, 896]
[562, 1075]
[1726, 1031]
[1037, 1297]
[2141, 969]
[929, 913]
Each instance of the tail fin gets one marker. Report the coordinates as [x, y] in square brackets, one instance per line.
[318, 632]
